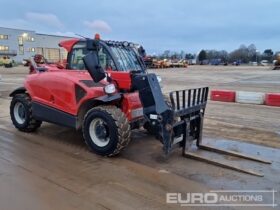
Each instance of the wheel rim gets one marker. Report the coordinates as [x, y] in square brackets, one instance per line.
[19, 113]
[99, 132]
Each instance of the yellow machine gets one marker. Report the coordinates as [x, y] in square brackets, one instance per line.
[277, 63]
[6, 61]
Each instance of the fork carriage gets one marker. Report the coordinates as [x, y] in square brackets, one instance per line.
[180, 123]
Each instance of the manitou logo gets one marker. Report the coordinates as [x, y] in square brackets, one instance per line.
[224, 198]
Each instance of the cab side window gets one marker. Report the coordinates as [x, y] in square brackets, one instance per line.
[79, 51]
[76, 61]
[106, 61]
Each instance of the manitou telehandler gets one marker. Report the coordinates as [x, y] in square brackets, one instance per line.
[105, 90]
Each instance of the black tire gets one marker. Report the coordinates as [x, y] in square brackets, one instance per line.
[117, 130]
[29, 124]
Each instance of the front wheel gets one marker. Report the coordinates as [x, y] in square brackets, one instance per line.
[106, 130]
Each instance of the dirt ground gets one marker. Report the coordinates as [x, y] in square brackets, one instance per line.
[252, 123]
[52, 169]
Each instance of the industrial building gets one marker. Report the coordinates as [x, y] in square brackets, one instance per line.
[21, 44]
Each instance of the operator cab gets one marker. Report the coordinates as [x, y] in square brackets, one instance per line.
[113, 56]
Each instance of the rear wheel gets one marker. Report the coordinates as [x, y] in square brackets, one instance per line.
[106, 130]
[21, 113]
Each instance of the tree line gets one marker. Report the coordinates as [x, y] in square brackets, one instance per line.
[244, 54]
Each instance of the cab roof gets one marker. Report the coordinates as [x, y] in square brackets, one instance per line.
[68, 44]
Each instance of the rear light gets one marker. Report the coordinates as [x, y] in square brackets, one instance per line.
[110, 89]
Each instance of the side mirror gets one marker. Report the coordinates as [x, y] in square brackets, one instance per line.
[91, 61]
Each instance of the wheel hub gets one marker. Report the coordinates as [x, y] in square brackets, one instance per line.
[99, 132]
[19, 113]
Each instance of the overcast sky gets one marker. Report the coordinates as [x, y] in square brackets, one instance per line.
[188, 25]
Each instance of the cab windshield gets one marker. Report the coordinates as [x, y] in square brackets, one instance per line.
[126, 58]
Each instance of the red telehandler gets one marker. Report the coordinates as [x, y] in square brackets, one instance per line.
[105, 90]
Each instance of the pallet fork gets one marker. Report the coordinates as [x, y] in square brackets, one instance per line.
[181, 122]
[196, 100]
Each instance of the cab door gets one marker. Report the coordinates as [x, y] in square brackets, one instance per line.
[79, 50]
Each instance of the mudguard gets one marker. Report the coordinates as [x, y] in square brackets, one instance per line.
[18, 91]
[108, 98]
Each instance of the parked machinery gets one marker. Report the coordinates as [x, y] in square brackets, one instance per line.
[277, 63]
[6, 61]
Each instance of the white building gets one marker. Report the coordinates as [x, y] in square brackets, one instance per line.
[21, 44]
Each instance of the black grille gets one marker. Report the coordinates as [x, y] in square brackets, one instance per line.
[91, 83]
[80, 93]
[189, 101]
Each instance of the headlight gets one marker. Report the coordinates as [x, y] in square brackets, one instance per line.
[159, 79]
[109, 89]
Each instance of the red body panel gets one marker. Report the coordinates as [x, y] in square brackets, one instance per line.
[49, 67]
[131, 104]
[223, 95]
[56, 88]
[272, 99]
[68, 44]
[122, 79]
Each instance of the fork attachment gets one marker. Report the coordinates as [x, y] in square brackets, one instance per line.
[191, 110]
[177, 124]
[180, 123]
